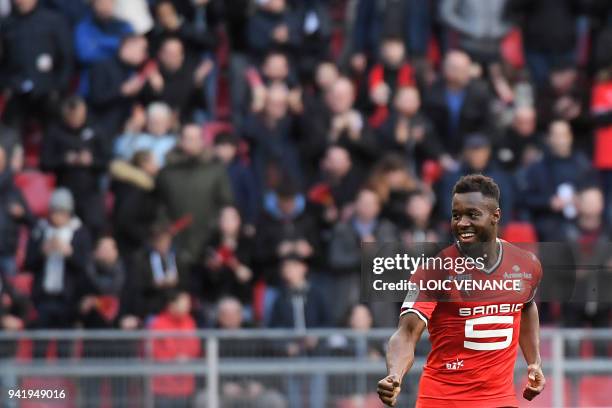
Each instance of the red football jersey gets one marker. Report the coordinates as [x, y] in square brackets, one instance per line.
[474, 344]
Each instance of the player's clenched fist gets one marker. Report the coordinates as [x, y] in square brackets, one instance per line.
[388, 390]
[535, 382]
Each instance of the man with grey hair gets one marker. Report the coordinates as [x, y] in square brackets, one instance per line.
[157, 135]
[458, 104]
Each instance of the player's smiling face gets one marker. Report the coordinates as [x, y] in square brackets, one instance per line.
[474, 218]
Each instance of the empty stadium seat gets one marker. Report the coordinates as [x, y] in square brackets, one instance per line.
[36, 188]
[595, 391]
[22, 283]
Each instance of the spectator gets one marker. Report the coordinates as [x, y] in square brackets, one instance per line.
[566, 96]
[590, 237]
[457, 104]
[101, 286]
[195, 186]
[272, 137]
[179, 81]
[236, 390]
[14, 213]
[135, 205]
[419, 226]
[224, 270]
[157, 137]
[548, 189]
[273, 26]
[359, 318]
[481, 26]
[117, 83]
[339, 123]
[520, 144]
[197, 11]
[97, 37]
[136, 13]
[340, 183]
[170, 23]
[36, 62]
[313, 16]
[299, 306]
[246, 195]
[344, 254]
[391, 73]
[236, 16]
[78, 153]
[408, 19]
[393, 183]
[230, 314]
[74, 10]
[175, 391]
[326, 74]
[408, 132]
[58, 254]
[275, 69]
[99, 297]
[157, 272]
[477, 158]
[549, 33]
[285, 226]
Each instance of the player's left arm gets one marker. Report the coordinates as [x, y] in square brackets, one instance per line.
[529, 340]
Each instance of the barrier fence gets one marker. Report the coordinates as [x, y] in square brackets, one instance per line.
[258, 368]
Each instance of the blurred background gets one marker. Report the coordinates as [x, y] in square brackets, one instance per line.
[211, 168]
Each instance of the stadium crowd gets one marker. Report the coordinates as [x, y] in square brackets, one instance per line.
[241, 151]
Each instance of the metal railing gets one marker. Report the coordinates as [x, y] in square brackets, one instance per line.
[253, 354]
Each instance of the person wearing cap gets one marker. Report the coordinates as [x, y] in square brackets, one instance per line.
[477, 158]
[58, 253]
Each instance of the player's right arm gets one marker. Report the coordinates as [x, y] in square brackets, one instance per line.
[400, 356]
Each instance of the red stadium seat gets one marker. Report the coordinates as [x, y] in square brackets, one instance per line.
[36, 188]
[520, 232]
[22, 283]
[595, 391]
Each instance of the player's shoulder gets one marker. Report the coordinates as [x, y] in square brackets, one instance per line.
[451, 251]
[524, 254]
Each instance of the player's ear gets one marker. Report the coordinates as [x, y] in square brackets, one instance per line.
[496, 216]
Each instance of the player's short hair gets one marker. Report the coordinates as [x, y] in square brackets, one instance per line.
[477, 183]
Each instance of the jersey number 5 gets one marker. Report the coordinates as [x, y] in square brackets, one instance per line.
[471, 333]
